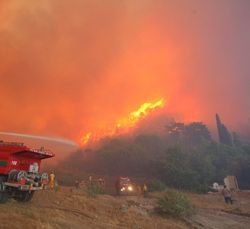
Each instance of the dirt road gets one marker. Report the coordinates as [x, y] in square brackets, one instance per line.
[213, 213]
[220, 220]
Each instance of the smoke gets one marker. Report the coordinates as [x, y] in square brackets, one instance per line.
[67, 67]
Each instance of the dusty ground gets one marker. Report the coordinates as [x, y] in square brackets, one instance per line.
[212, 212]
[75, 209]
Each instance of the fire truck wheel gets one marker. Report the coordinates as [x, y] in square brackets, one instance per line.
[24, 196]
[3, 195]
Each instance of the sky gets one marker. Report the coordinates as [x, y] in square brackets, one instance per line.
[67, 67]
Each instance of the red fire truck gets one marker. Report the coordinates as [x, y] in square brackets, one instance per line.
[19, 171]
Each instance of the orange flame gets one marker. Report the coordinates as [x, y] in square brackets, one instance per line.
[123, 125]
[85, 139]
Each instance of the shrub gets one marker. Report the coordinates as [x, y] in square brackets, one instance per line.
[174, 204]
[94, 189]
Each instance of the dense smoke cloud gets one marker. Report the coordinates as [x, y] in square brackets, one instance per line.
[67, 67]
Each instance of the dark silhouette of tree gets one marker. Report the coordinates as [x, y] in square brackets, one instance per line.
[224, 135]
[197, 132]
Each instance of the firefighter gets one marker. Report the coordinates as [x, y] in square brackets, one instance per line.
[82, 184]
[227, 195]
[144, 190]
[52, 180]
[118, 186]
[101, 182]
[139, 189]
[90, 180]
[77, 184]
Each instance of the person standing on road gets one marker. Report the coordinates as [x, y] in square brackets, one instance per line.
[227, 195]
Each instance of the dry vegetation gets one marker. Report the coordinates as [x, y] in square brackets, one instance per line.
[75, 209]
[69, 208]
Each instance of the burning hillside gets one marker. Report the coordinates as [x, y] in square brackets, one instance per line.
[71, 67]
[125, 124]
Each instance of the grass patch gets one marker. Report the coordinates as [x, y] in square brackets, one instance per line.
[94, 189]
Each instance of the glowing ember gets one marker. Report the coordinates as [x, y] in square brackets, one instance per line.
[124, 125]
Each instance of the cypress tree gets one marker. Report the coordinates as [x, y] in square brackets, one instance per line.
[223, 133]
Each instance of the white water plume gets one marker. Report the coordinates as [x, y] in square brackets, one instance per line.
[45, 138]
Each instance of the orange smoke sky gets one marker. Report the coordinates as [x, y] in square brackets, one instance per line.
[67, 67]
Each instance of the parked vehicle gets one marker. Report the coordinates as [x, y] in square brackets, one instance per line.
[19, 171]
[124, 186]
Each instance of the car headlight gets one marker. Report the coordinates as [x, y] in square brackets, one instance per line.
[130, 188]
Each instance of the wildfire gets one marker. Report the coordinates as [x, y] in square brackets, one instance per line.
[123, 125]
[85, 139]
[145, 109]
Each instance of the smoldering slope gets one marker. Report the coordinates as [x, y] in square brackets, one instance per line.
[67, 67]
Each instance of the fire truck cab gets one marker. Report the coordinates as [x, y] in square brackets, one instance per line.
[19, 171]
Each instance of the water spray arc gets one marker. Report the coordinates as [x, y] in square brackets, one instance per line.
[45, 138]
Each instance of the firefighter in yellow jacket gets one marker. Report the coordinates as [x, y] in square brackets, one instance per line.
[52, 180]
